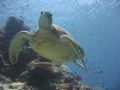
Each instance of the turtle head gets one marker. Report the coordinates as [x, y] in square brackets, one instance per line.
[45, 20]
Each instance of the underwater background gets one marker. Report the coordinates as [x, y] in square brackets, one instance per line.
[95, 24]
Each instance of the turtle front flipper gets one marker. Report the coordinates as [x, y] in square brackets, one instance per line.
[16, 45]
[78, 50]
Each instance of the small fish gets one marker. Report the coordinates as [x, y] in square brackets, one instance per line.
[101, 72]
[27, 5]
[3, 5]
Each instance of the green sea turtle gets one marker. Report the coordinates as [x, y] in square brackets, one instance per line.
[49, 41]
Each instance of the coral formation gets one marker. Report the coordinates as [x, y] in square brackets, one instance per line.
[13, 26]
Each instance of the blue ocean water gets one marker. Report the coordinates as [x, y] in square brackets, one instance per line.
[95, 24]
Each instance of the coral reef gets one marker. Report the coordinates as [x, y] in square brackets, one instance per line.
[43, 76]
[31, 72]
[13, 26]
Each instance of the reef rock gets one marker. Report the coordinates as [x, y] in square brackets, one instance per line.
[46, 76]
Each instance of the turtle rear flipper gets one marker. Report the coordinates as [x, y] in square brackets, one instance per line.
[16, 45]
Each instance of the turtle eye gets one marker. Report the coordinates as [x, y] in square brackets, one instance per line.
[51, 15]
[41, 12]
